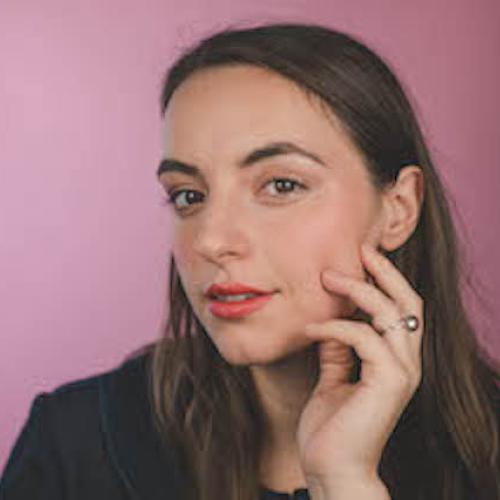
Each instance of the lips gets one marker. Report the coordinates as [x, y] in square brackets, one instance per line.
[234, 288]
[239, 308]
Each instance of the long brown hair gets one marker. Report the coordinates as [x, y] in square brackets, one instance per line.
[446, 444]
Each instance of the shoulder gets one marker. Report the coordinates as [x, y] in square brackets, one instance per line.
[73, 409]
[64, 442]
[78, 392]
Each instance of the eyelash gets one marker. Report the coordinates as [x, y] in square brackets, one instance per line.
[172, 196]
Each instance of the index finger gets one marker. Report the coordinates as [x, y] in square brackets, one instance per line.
[390, 279]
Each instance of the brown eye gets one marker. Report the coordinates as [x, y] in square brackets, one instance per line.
[173, 196]
[285, 185]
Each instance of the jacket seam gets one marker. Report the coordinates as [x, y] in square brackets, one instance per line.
[103, 405]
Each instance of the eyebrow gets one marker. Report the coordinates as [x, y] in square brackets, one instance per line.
[267, 151]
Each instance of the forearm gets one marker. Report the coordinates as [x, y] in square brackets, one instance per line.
[373, 489]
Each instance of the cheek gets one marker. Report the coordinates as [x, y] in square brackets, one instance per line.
[330, 239]
[324, 241]
[181, 253]
[186, 264]
[341, 231]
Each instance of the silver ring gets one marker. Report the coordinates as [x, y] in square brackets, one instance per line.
[410, 324]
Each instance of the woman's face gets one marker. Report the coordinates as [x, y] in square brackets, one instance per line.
[240, 226]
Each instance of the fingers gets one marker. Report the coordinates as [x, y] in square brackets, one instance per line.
[378, 361]
[389, 279]
[365, 296]
[386, 302]
[406, 301]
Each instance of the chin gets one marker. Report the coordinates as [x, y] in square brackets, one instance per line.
[240, 355]
[251, 352]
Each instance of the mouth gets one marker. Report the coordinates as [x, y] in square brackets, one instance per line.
[236, 306]
[234, 291]
[242, 297]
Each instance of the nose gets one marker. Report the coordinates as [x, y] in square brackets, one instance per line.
[220, 235]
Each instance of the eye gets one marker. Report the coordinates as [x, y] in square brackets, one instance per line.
[172, 196]
[284, 187]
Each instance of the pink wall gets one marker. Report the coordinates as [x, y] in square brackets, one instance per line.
[84, 243]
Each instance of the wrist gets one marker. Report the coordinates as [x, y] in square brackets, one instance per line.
[360, 488]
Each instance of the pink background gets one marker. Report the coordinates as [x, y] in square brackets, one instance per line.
[84, 241]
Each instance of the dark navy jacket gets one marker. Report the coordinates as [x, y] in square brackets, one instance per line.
[94, 439]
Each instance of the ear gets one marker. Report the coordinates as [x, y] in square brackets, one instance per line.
[402, 203]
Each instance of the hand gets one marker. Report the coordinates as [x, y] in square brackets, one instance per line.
[344, 427]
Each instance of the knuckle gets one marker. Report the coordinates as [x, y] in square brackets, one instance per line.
[383, 324]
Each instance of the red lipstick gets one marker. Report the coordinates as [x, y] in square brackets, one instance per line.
[233, 288]
[245, 299]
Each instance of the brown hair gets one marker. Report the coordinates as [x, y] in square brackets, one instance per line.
[446, 444]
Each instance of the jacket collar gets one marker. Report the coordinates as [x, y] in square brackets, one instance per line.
[148, 468]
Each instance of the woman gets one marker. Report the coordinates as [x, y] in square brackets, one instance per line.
[291, 152]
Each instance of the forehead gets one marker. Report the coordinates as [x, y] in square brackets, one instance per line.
[231, 109]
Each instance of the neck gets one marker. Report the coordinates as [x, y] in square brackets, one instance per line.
[284, 388]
